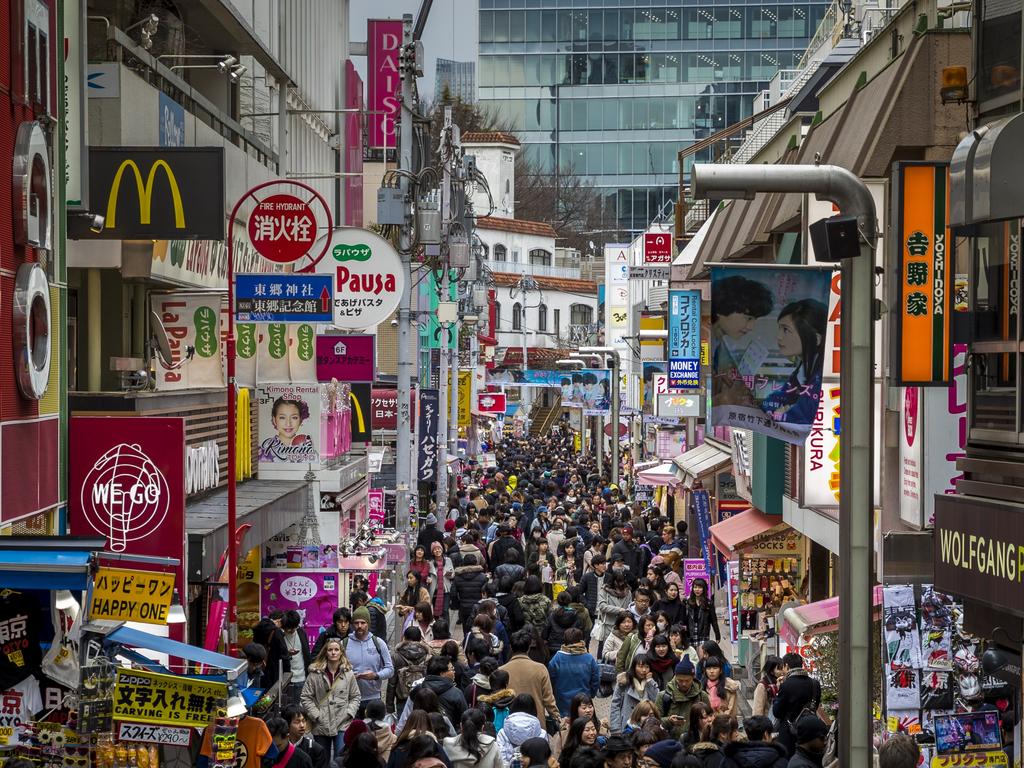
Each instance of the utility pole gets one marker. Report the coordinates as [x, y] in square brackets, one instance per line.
[856, 508]
[404, 478]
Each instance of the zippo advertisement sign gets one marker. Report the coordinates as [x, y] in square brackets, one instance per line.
[127, 484]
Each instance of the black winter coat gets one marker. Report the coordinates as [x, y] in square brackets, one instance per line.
[754, 754]
[588, 592]
[270, 636]
[453, 703]
[467, 589]
[674, 609]
[510, 603]
[633, 556]
[702, 621]
[501, 546]
[559, 620]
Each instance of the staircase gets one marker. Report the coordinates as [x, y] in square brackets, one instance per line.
[543, 417]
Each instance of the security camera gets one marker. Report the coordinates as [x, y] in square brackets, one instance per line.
[96, 223]
[394, 322]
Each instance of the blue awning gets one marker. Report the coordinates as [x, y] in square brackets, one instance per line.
[233, 667]
[45, 569]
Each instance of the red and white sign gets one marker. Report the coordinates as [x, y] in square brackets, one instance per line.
[658, 248]
[384, 82]
[490, 402]
[375, 505]
[368, 275]
[282, 228]
[127, 484]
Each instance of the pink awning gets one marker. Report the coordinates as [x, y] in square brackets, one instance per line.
[663, 474]
[817, 618]
[731, 534]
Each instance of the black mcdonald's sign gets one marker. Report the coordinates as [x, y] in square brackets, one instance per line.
[157, 193]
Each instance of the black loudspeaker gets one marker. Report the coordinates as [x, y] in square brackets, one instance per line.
[835, 238]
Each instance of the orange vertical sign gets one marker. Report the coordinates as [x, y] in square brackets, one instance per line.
[921, 209]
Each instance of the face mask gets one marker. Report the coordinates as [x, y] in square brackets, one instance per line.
[662, 626]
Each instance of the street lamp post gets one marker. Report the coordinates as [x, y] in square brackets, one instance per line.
[856, 510]
[616, 363]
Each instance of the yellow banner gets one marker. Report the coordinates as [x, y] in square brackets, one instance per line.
[119, 594]
[465, 395]
[974, 759]
[147, 697]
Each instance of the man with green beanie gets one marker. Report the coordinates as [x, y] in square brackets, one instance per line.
[369, 657]
[679, 695]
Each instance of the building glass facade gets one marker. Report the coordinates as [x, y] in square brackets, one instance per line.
[459, 77]
[612, 89]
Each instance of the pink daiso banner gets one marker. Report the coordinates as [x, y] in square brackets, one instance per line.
[384, 82]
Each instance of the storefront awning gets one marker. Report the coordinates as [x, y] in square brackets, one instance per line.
[730, 535]
[662, 474]
[816, 618]
[269, 506]
[36, 563]
[134, 638]
[700, 461]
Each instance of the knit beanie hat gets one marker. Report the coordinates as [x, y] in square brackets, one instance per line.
[662, 752]
[355, 728]
[684, 667]
[363, 613]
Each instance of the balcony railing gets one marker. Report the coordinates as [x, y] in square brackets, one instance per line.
[537, 270]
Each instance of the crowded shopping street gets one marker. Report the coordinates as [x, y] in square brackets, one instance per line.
[511, 384]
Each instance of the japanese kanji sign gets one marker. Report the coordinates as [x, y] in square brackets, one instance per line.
[122, 595]
[283, 298]
[148, 697]
[282, 228]
[684, 339]
[491, 402]
[426, 464]
[658, 248]
[345, 358]
[923, 340]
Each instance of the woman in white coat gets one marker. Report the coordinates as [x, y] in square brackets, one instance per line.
[472, 748]
[634, 685]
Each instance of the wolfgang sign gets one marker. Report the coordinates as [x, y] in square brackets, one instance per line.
[979, 550]
[146, 193]
[368, 278]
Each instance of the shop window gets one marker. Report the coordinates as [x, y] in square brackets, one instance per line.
[999, 53]
[497, 318]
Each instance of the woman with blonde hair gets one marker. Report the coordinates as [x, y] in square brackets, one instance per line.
[330, 696]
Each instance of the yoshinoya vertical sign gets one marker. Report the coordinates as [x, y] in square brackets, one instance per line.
[923, 342]
[684, 339]
[426, 463]
[384, 82]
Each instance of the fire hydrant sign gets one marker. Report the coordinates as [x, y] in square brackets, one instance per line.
[368, 278]
[282, 228]
[147, 697]
[122, 595]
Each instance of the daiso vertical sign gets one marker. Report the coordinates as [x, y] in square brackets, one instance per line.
[384, 42]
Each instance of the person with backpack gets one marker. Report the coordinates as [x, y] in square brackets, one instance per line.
[330, 696]
[495, 704]
[410, 660]
[682, 692]
[562, 618]
[440, 679]
[521, 725]
[798, 694]
[467, 588]
[369, 656]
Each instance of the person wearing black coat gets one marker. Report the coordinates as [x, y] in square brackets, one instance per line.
[505, 542]
[440, 678]
[701, 619]
[561, 618]
[507, 600]
[758, 751]
[590, 584]
[467, 589]
[268, 633]
[631, 554]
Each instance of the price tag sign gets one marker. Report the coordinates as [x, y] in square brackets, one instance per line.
[154, 734]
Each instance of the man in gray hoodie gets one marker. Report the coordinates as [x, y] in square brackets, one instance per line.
[369, 656]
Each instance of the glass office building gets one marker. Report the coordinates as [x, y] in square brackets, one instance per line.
[458, 77]
[612, 89]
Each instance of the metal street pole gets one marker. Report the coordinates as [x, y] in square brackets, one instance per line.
[403, 440]
[443, 403]
[856, 509]
[616, 362]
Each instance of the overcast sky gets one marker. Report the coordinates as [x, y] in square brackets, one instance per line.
[451, 31]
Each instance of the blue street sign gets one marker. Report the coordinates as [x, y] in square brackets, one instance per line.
[284, 298]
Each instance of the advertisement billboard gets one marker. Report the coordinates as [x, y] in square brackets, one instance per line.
[314, 594]
[190, 321]
[426, 435]
[345, 358]
[684, 339]
[658, 248]
[289, 424]
[384, 83]
[768, 348]
[368, 278]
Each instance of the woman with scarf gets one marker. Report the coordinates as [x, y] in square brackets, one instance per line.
[639, 641]
[631, 687]
[768, 687]
[662, 660]
[414, 594]
[567, 564]
[421, 565]
[611, 602]
[444, 570]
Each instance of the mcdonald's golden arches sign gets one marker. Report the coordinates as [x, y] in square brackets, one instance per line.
[157, 193]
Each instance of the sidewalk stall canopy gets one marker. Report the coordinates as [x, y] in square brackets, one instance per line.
[87, 673]
[771, 566]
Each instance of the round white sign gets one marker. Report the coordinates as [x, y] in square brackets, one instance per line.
[368, 278]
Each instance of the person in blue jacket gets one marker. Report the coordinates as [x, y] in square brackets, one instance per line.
[573, 670]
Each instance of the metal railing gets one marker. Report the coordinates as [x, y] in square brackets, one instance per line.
[537, 270]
